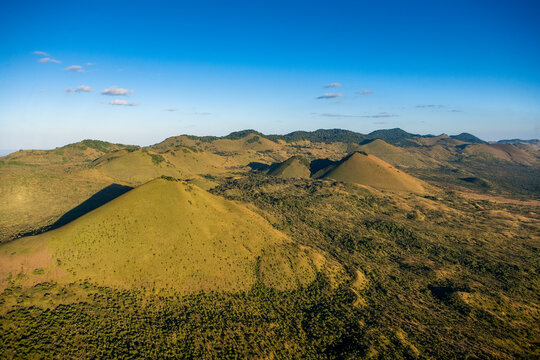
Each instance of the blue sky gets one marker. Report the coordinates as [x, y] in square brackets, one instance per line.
[212, 67]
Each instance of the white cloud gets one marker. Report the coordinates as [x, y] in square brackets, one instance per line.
[332, 85]
[116, 91]
[68, 90]
[171, 109]
[49, 60]
[74, 68]
[122, 102]
[329, 96]
[364, 92]
[89, 64]
[83, 88]
[41, 53]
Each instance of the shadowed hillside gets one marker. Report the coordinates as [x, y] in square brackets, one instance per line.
[100, 198]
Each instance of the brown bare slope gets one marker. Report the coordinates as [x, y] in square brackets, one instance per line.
[361, 168]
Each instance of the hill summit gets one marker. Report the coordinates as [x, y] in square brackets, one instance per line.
[362, 168]
[294, 167]
[166, 234]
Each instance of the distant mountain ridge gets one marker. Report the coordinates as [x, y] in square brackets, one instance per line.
[468, 138]
[395, 136]
[517, 141]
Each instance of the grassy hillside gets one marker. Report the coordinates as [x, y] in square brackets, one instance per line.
[393, 154]
[162, 235]
[361, 168]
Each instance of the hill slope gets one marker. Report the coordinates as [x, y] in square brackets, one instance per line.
[361, 168]
[162, 235]
[294, 167]
[393, 154]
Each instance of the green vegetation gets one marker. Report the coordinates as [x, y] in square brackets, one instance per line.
[425, 271]
[132, 148]
[243, 133]
[99, 145]
[254, 139]
[325, 136]
[156, 158]
[315, 322]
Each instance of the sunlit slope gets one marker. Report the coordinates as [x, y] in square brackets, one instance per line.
[506, 152]
[294, 167]
[39, 186]
[164, 234]
[135, 168]
[361, 168]
[395, 155]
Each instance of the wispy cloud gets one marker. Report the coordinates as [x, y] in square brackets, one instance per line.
[421, 106]
[171, 109]
[78, 89]
[456, 111]
[375, 116]
[40, 53]
[364, 92]
[203, 113]
[49, 60]
[83, 88]
[122, 102]
[329, 96]
[74, 68]
[89, 64]
[338, 115]
[381, 115]
[116, 91]
[332, 85]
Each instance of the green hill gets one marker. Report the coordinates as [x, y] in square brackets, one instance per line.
[470, 138]
[394, 136]
[162, 235]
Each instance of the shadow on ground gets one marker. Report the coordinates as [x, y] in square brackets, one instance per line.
[100, 198]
